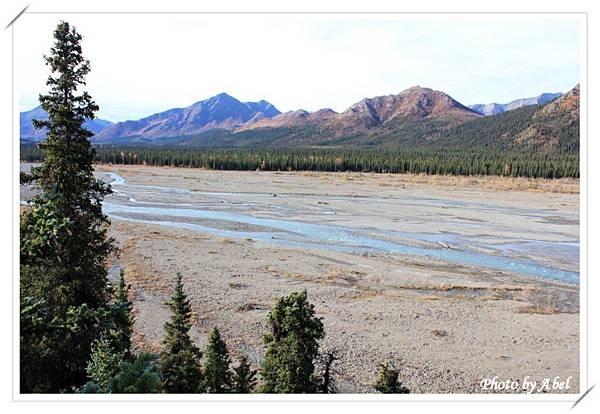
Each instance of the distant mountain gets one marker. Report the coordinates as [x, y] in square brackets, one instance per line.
[495, 108]
[418, 118]
[219, 112]
[29, 133]
[488, 109]
[415, 104]
[298, 118]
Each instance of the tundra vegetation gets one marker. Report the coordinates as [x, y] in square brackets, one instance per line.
[76, 327]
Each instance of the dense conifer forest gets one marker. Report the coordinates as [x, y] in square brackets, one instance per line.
[427, 161]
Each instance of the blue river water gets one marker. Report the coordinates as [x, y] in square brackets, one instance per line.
[318, 236]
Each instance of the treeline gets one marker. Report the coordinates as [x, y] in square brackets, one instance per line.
[339, 160]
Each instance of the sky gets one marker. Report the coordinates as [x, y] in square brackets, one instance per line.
[147, 63]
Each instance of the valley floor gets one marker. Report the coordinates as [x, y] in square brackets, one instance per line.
[445, 324]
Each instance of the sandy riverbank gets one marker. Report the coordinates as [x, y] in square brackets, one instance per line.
[444, 325]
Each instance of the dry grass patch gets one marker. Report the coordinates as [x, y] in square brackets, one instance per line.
[137, 272]
[199, 237]
[333, 274]
[447, 287]
[538, 309]
[428, 298]
[139, 341]
[142, 277]
[251, 306]
[297, 276]
[548, 308]
[355, 294]
[236, 285]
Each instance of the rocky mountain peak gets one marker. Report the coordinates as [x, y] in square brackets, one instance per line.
[413, 103]
[221, 111]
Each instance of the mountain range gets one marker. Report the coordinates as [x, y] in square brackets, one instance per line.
[496, 108]
[413, 104]
[417, 117]
[224, 112]
[219, 112]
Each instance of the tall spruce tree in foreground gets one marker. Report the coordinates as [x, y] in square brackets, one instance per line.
[292, 346]
[216, 375]
[63, 233]
[71, 270]
[180, 360]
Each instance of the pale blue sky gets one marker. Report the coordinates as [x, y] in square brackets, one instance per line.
[142, 64]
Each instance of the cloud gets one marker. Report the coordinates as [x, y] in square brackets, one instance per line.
[142, 64]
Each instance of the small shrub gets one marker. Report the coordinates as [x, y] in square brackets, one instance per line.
[387, 380]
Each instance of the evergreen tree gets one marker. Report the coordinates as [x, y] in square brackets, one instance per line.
[180, 358]
[244, 377]
[38, 361]
[123, 318]
[103, 364]
[292, 346]
[70, 270]
[141, 375]
[216, 373]
[64, 243]
[387, 380]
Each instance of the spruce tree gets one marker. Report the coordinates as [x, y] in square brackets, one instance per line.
[63, 232]
[140, 376]
[387, 380]
[103, 364]
[217, 376]
[244, 377]
[292, 346]
[180, 360]
[71, 270]
[123, 319]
